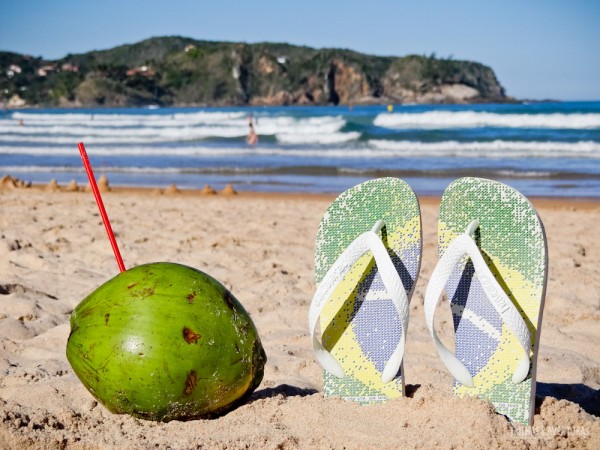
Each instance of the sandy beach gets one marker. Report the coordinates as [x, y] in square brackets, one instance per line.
[54, 252]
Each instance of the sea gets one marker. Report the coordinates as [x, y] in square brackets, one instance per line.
[549, 149]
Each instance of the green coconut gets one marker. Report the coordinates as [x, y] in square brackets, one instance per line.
[164, 341]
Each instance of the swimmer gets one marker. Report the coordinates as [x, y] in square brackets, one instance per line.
[252, 137]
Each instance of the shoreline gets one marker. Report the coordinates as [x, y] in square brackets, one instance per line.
[553, 201]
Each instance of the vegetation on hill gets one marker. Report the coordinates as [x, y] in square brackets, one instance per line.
[178, 71]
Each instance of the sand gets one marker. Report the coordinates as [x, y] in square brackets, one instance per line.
[54, 252]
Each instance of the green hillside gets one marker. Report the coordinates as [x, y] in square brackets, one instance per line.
[178, 71]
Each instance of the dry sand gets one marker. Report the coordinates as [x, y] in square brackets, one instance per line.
[54, 251]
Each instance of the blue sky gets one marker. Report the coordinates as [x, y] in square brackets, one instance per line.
[538, 48]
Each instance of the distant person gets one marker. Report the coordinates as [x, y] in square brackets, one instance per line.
[21, 122]
[252, 138]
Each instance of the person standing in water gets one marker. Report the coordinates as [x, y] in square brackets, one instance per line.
[252, 138]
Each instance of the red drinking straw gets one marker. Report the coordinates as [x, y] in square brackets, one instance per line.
[109, 231]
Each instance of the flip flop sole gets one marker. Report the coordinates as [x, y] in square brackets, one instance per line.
[512, 241]
[360, 326]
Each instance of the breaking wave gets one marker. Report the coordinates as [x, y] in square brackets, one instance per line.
[474, 119]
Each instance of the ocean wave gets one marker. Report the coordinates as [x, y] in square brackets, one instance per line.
[372, 149]
[62, 135]
[132, 170]
[60, 132]
[127, 122]
[310, 170]
[190, 151]
[482, 149]
[473, 119]
[128, 119]
[317, 138]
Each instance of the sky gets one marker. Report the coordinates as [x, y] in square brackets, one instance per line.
[539, 49]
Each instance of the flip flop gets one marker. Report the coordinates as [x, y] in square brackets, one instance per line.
[367, 260]
[493, 267]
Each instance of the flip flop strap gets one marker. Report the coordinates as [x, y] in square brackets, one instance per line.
[368, 241]
[460, 246]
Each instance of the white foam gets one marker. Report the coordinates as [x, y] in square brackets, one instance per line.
[472, 119]
[495, 149]
[371, 149]
[317, 138]
[308, 126]
[115, 129]
[40, 169]
[208, 152]
[131, 170]
[128, 119]
[111, 169]
[62, 135]
[126, 151]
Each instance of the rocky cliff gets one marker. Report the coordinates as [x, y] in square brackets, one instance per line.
[177, 71]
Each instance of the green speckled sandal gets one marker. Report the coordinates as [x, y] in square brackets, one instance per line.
[493, 267]
[367, 260]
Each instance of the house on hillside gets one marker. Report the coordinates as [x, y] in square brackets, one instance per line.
[68, 67]
[142, 70]
[45, 70]
[12, 70]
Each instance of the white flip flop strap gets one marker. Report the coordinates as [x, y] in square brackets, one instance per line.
[465, 245]
[368, 241]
